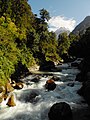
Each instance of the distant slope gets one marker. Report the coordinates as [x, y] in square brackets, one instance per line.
[81, 28]
[61, 30]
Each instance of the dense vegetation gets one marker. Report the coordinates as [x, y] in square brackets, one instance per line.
[81, 47]
[24, 38]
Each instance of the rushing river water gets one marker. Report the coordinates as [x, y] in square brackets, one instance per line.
[37, 108]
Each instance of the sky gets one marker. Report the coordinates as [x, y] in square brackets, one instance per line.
[64, 13]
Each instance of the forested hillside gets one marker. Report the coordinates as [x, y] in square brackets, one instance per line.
[81, 28]
[24, 38]
[81, 47]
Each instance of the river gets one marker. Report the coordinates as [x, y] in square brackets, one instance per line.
[38, 107]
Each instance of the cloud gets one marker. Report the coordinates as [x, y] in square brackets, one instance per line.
[60, 21]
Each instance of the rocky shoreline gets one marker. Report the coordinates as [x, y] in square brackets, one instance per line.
[84, 91]
[84, 77]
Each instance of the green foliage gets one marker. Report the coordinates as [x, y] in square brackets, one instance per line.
[18, 10]
[33, 41]
[81, 48]
[48, 46]
[10, 54]
[44, 14]
[63, 44]
[26, 56]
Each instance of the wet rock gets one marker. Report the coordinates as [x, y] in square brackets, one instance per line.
[60, 111]
[80, 66]
[81, 113]
[36, 79]
[29, 96]
[47, 66]
[81, 91]
[13, 83]
[32, 97]
[5, 90]
[88, 76]
[74, 64]
[70, 84]
[11, 101]
[84, 77]
[19, 85]
[55, 78]
[86, 92]
[79, 77]
[50, 85]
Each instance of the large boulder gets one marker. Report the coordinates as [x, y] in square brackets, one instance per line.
[36, 79]
[11, 101]
[71, 84]
[4, 90]
[60, 111]
[50, 85]
[79, 77]
[88, 76]
[86, 93]
[19, 85]
[32, 97]
[47, 66]
[74, 64]
[29, 96]
[81, 91]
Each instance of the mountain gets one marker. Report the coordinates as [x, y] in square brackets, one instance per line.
[81, 28]
[61, 30]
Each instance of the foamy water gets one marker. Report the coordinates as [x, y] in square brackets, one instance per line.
[37, 109]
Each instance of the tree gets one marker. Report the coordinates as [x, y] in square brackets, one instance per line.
[44, 14]
[63, 44]
[81, 47]
[19, 11]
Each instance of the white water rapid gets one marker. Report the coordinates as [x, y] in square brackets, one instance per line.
[38, 107]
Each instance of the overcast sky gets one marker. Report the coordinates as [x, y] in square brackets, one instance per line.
[64, 13]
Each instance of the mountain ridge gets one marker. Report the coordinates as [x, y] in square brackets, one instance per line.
[82, 26]
[62, 30]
